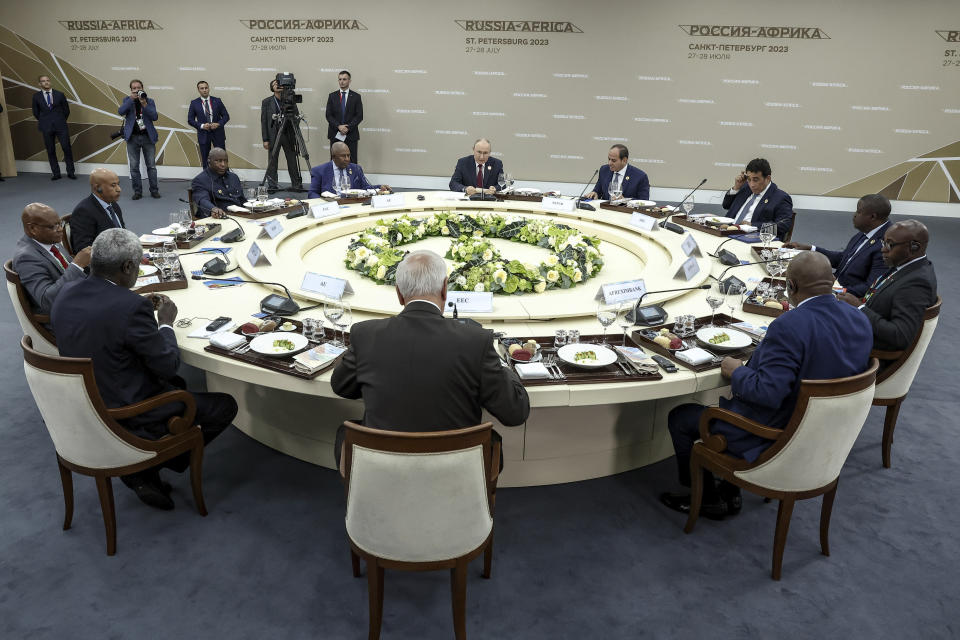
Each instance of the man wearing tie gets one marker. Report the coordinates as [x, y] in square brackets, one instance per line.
[618, 174]
[344, 115]
[51, 110]
[861, 262]
[97, 212]
[41, 261]
[208, 116]
[755, 199]
[478, 172]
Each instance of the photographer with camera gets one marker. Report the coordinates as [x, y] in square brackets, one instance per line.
[139, 113]
[279, 126]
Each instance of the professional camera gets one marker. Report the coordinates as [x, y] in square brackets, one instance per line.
[116, 134]
[142, 95]
[288, 98]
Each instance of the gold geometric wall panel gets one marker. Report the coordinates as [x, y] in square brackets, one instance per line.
[931, 177]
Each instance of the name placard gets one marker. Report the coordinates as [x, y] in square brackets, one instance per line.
[271, 229]
[327, 286]
[470, 301]
[255, 255]
[389, 200]
[324, 209]
[688, 269]
[615, 292]
[643, 221]
[689, 246]
[558, 204]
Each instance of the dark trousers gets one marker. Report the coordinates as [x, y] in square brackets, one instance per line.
[289, 145]
[209, 144]
[50, 139]
[683, 422]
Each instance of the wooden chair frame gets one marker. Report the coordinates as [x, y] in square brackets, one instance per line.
[423, 442]
[897, 359]
[708, 454]
[184, 436]
[65, 220]
[793, 223]
[37, 321]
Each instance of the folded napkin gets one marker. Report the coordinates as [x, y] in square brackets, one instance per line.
[748, 228]
[227, 340]
[149, 238]
[695, 356]
[328, 194]
[235, 208]
[532, 371]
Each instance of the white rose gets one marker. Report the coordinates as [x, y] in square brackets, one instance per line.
[362, 253]
[500, 276]
[552, 260]
[479, 287]
[419, 231]
[552, 241]
[577, 275]
[477, 233]
[372, 260]
[488, 255]
[399, 236]
[432, 220]
[589, 266]
[540, 287]
[571, 262]
[381, 272]
[382, 229]
[462, 281]
[552, 276]
[445, 230]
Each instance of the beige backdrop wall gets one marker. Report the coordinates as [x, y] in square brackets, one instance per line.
[842, 97]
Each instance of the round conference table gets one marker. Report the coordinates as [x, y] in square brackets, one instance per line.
[574, 431]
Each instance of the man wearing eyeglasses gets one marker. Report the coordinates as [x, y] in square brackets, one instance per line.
[97, 212]
[895, 301]
[42, 263]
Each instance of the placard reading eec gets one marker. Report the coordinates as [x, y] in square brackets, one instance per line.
[327, 286]
[470, 301]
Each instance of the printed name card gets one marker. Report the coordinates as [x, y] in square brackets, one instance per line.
[688, 269]
[615, 292]
[255, 255]
[643, 221]
[389, 200]
[559, 204]
[271, 229]
[327, 286]
[689, 246]
[324, 209]
[470, 301]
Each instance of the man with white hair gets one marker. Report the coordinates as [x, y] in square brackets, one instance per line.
[419, 371]
[133, 358]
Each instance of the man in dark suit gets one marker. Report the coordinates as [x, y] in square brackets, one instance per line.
[860, 263]
[819, 339]
[619, 173]
[895, 302]
[133, 358]
[270, 110]
[40, 260]
[339, 174]
[216, 188]
[419, 371]
[755, 199]
[208, 115]
[478, 172]
[51, 109]
[139, 113]
[344, 115]
[97, 212]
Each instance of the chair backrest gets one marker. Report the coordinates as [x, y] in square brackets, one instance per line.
[895, 380]
[826, 422]
[793, 225]
[66, 395]
[192, 203]
[418, 497]
[65, 220]
[42, 339]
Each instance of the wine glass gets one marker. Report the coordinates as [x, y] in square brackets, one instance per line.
[262, 194]
[250, 193]
[510, 180]
[714, 299]
[688, 206]
[768, 231]
[606, 315]
[332, 310]
[502, 181]
[734, 296]
[625, 323]
[175, 221]
[344, 321]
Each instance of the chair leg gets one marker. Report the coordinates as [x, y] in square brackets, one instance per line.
[66, 479]
[826, 509]
[105, 489]
[196, 478]
[780, 536]
[458, 592]
[488, 557]
[889, 424]
[696, 492]
[375, 596]
[355, 563]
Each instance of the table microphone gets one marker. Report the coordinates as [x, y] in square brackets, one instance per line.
[273, 303]
[654, 314]
[733, 280]
[580, 203]
[728, 258]
[233, 236]
[673, 226]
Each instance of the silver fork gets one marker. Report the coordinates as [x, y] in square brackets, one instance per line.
[241, 348]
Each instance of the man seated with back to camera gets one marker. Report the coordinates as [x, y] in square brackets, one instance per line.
[216, 187]
[133, 358]
[339, 174]
[820, 339]
[419, 371]
[755, 199]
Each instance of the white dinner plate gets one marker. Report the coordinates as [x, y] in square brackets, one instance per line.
[738, 339]
[719, 220]
[169, 230]
[263, 344]
[605, 355]
[147, 270]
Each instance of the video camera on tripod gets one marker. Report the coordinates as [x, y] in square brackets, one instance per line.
[289, 99]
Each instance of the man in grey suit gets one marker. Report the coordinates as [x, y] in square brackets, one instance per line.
[42, 263]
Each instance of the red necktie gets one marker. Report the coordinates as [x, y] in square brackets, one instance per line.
[58, 256]
[480, 176]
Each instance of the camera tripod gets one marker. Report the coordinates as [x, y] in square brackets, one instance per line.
[286, 121]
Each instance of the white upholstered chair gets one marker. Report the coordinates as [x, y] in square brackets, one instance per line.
[894, 381]
[804, 460]
[420, 502]
[30, 323]
[67, 233]
[88, 439]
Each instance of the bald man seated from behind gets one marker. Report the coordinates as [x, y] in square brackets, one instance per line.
[42, 263]
[97, 212]
[819, 339]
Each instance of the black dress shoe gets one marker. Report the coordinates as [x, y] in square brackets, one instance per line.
[154, 194]
[55, 177]
[153, 496]
[136, 196]
[71, 176]
[717, 510]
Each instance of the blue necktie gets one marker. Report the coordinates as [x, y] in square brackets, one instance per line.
[113, 216]
[343, 106]
[746, 208]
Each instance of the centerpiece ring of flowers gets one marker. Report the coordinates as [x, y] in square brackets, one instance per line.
[477, 264]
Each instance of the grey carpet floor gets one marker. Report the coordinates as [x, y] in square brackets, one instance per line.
[596, 559]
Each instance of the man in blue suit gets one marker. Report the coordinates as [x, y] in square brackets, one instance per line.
[755, 199]
[861, 262]
[51, 109]
[619, 173]
[478, 172]
[139, 113]
[208, 116]
[339, 174]
[820, 339]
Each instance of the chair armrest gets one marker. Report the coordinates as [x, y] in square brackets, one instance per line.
[737, 420]
[41, 318]
[495, 464]
[176, 424]
[885, 355]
